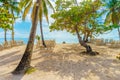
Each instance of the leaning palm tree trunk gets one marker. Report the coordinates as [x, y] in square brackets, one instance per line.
[26, 59]
[41, 30]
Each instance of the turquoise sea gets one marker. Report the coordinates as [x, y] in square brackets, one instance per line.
[17, 39]
[72, 40]
[58, 40]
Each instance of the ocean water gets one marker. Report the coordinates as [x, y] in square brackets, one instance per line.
[25, 40]
[58, 40]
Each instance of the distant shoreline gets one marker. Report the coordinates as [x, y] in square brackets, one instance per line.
[25, 40]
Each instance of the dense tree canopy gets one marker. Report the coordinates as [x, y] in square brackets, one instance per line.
[85, 16]
[5, 19]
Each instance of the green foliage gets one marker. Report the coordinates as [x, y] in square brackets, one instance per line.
[5, 19]
[85, 17]
[38, 37]
[7, 9]
[30, 70]
[63, 4]
[118, 57]
[113, 9]
[10, 4]
[43, 8]
[113, 14]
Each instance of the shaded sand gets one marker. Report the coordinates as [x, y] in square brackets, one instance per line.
[64, 63]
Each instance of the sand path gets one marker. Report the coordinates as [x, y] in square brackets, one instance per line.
[63, 63]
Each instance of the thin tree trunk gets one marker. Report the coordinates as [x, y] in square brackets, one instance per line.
[41, 30]
[82, 43]
[26, 59]
[119, 33]
[85, 38]
[13, 33]
[5, 35]
[12, 26]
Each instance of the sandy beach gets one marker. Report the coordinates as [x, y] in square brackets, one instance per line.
[64, 62]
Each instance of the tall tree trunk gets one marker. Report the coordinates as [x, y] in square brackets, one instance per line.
[12, 26]
[26, 59]
[82, 43]
[119, 33]
[5, 35]
[41, 30]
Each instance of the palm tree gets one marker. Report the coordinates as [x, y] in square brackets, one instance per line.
[113, 13]
[5, 21]
[12, 10]
[26, 59]
[42, 11]
[12, 6]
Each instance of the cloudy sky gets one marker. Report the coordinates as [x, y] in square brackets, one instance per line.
[22, 30]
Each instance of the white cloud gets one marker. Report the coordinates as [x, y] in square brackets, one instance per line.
[19, 20]
[27, 19]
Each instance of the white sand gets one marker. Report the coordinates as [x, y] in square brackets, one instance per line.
[64, 63]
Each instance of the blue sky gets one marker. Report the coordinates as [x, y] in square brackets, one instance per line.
[22, 30]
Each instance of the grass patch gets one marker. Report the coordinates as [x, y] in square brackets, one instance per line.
[30, 70]
[118, 57]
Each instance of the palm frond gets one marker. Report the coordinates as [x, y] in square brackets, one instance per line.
[45, 10]
[23, 3]
[41, 11]
[15, 8]
[108, 18]
[33, 12]
[50, 5]
[102, 13]
[27, 8]
[115, 19]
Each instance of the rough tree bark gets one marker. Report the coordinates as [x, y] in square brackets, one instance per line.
[26, 59]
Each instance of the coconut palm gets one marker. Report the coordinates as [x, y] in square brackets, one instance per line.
[12, 7]
[5, 21]
[43, 10]
[12, 10]
[26, 59]
[113, 16]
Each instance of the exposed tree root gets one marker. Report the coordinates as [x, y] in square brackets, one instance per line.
[90, 53]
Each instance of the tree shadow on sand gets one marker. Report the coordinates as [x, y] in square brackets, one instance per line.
[101, 68]
[11, 57]
[8, 55]
[10, 76]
